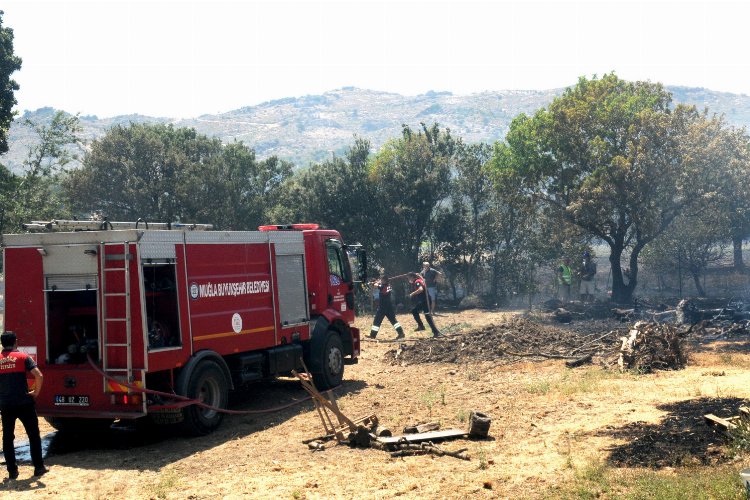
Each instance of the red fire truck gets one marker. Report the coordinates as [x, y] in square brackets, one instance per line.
[118, 316]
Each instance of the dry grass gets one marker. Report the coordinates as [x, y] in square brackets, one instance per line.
[555, 433]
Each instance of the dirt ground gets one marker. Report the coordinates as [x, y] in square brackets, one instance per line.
[548, 422]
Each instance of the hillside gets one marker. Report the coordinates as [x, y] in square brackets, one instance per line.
[310, 128]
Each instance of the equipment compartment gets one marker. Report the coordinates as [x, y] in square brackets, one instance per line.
[72, 326]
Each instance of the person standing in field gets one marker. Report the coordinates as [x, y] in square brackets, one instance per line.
[564, 280]
[430, 275]
[587, 272]
[17, 402]
[385, 309]
[418, 298]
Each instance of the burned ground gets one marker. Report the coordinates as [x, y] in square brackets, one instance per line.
[680, 438]
[513, 340]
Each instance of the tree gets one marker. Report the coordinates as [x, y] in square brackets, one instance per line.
[690, 244]
[517, 233]
[232, 190]
[728, 152]
[9, 63]
[335, 193]
[162, 173]
[410, 177]
[451, 234]
[473, 187]
[135, 172]
[35, 193]
[611, 157]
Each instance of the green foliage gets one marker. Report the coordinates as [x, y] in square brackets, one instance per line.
[432, 396]
[739, 437]
[459, 230]
[162, 173]
[613, 158]
[690, 244]
[516, 228]
[335, 193]
[538, 387]
[35, 194]
[597, 480]
[483, 461]
[133, 172]
[9, 63]
[232, 190]
[410, 177]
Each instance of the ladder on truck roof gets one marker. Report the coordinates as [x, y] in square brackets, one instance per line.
[113, 343]
[104, 225]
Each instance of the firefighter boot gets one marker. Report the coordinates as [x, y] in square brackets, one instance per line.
[400, 332]
[435, 331]
[374, 331]
[420, 325]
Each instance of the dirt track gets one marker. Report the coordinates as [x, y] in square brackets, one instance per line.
[548, 422]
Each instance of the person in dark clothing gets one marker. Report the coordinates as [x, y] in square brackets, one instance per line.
[418, 298]
[385, 309]
[17, 402]
[586, 272]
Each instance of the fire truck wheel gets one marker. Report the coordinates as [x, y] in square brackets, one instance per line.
[79, 425]
[209, 385]
[332, 363]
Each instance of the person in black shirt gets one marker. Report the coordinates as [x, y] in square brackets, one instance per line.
[385, 309]
[17, 402]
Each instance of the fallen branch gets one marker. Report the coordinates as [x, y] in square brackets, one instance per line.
[406, 450]
[540, 354]
[592, 341]
[580, 361]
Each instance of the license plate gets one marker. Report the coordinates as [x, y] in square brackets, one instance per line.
[61, 400]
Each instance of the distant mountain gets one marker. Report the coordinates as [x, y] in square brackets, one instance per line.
[311, 128]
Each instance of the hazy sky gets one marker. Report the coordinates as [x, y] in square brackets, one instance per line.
[183, 59]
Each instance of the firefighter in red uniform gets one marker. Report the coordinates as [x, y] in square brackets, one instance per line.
[17, 402]
[385, 309]
[419, 300]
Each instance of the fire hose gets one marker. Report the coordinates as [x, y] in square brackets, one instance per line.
[186, 401]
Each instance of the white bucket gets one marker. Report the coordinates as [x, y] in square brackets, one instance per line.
[745, 476]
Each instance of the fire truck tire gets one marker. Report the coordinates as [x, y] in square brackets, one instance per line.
[79, 425]
[332, 363]
[208, 384]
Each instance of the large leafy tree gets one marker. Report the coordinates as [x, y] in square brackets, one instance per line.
[518, 232]
[34, 193]
[727, 151]
[9, 63]
[233, 190]
[163, 173]
[335, 193]
[611, 157]
[458, 230]
[133, 172]
[410, 177]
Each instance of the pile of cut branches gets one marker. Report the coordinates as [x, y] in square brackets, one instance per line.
[654, 346]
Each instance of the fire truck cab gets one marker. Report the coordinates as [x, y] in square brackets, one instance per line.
[119, 317]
